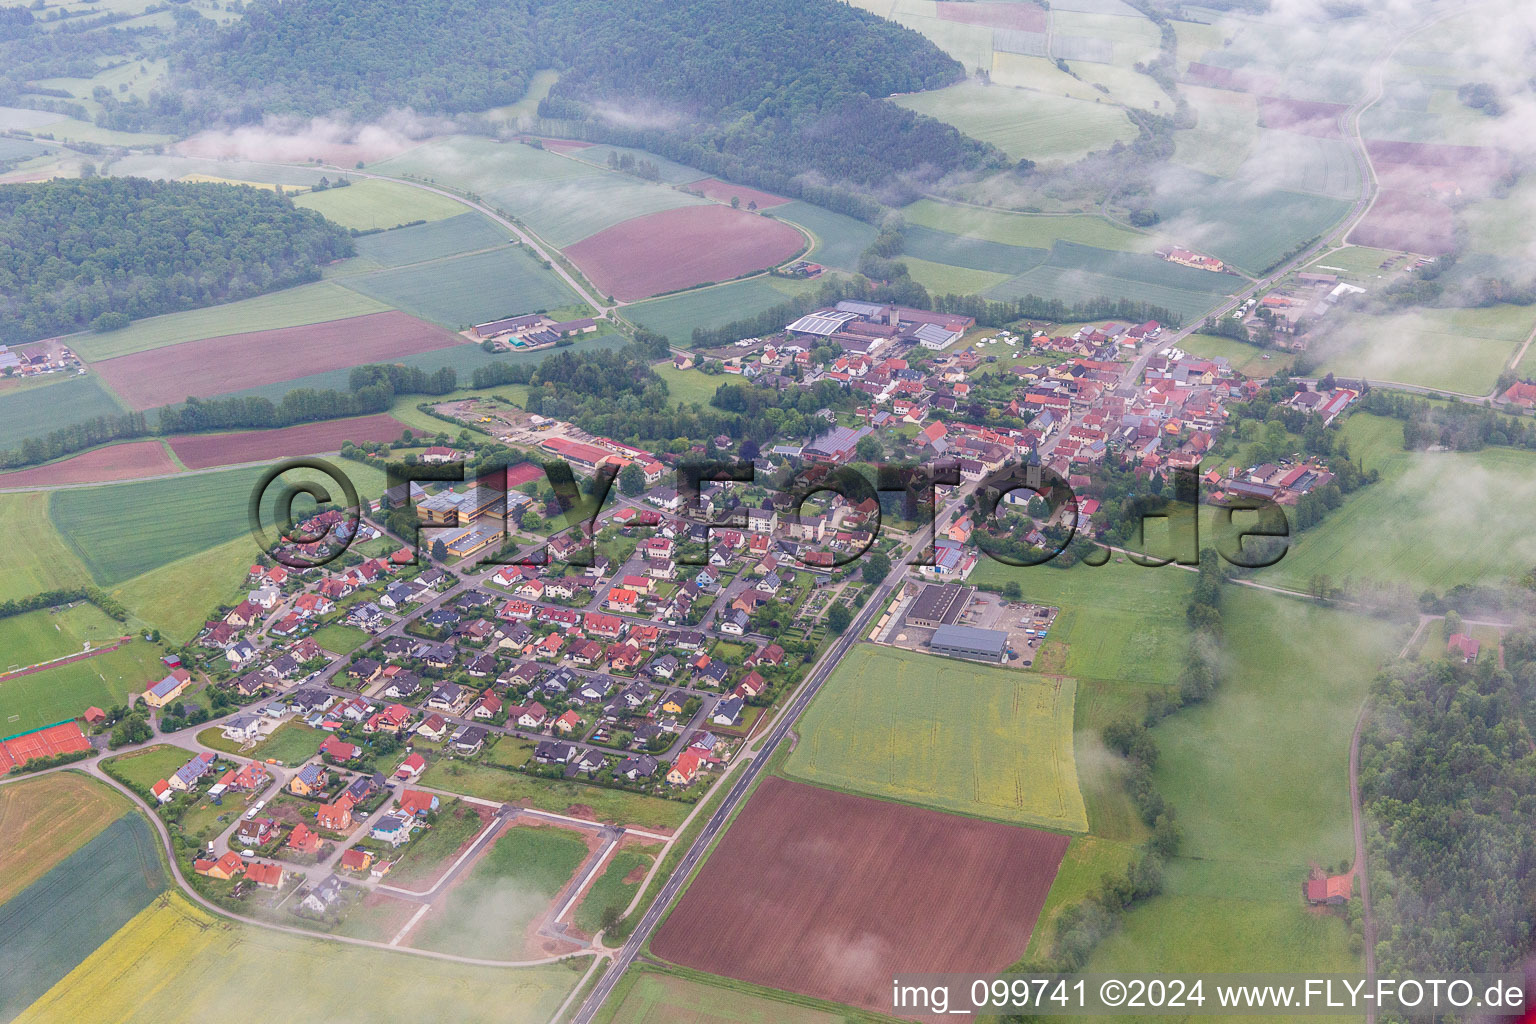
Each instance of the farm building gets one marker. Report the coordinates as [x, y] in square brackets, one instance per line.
[970, 643]
[939, 604]
[1330, 891]
[168, 689]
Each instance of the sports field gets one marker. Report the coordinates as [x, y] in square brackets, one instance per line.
[50, 633]
[1024, 123]
[291, 307]
[172, 965]
[463, 290]
[370, 203]
[54, 694]
[55, 923]
[46, 819]
[1434, 520]
[32, 410]
[648, 996]
[488, 912]
[463, 232]
[977, 739]
[1035, 231]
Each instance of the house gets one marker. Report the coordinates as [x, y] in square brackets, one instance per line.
[188, 774]
[225, 868]
[310, 780]
[256, 832]
[337, 816]
[1463, 645]
[365, 669]
[304, 839]
[566, 723]
[469, 739]
[168, 689]
[162, 792]
[434, 728]
[364, 787]
[268, 876]
[243, 728]
[727, 712]
[735, 623]
[1332, 891]
[356, 859]
[637, 766]
[248, 778]
[488, 706]
[323, 897]
[588, 761]
[392, 719]
[338, 749]
[685, 769]
[411, 767]
[664, 667]
[417, 803]
[751, 685]
[532, 716]
[446, 697]
[394, 829]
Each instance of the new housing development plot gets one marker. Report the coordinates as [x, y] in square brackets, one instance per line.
[774, 905]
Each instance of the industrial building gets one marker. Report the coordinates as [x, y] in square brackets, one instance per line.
[970, 643]
[939, 604]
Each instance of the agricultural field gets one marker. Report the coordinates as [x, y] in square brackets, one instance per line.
[1247, 226]
[50, 633]
[676, 316]
[773, 902]
[370, 203]
[54, 923]
[48, 818]
[1023, 123]
[65, 691]
[646, 995]
[1303, 163]
[839, 240]
[1225, 133]
[1077, 273]
[1258, 776]
[292, 307]
[215, 366]
[724, 191]
[203, 451]
[171, 965]
[1022, 229]
[175, 598]
[606, 805]
[463, 232]
[687, 386]
[1433, 520]
[489, 912]
[682, 248]
[36, 557]
[891, 723]
[130, 460]
[941, 247]
[615, 888]
[32, 410]
[942, 279]
[1453, 349]
[1407, 221]
[464, 290]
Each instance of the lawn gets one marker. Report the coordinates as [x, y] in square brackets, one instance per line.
[55, 694]
[370, 203]
[340, 639]
[676, 316]
[461, 233]
[487, 913]
[1454, 349]
[608, 805]
[1024, 123]
[457, 823]
[982, 740]
[611, 888]
[292, 743]
[1035, 231]
[32, 410]
[292, 307]
[50, 633]
[1434, 520]
[464, 290]
[141, 769]
[46, 819]
[688, 386]
[171, 965]
[649, 996]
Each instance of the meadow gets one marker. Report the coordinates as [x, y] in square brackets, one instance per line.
[1087, 861]
[488, 912]
[688, 386]
[646, 995]
[676, 316]
[1353, 262]
[340, 639]
[1434, 520]
[176, 598]
[1249, 360]
[1024, 123]
[611, 889]
[32, 410]
[991, 741]
[315, 303]
[608, 805]
[371, 203]
[35, 557]
[50, 633]
[48, 818]
[1460, 350]
[291, 743]
[463, 232]
[1022, 229]
[141, 769]
[839, 239]
[171, 964]
[463, 290]
[64, 692]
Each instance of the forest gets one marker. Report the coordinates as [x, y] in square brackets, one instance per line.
[106, 250]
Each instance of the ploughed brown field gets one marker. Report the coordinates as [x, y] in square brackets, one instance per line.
[831, 895]
[722, 191]
[131, 461]
[1437, 168]
[1407, 222]
[1023, 16]
[200, 451]
[1305, 117]
[673, 249]
[234, 362]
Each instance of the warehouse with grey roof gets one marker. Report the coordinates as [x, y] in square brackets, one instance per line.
[970, 643]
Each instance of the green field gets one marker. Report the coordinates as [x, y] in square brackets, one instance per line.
[470, 289]
[1454, 349]
[292, 743]
[370, 203]
[688, 386]
[840, 239]
[32, 410]
[461, 233]
[943, 279]
[47, 818]
[1249, 360]
[340, 639]
[1250, 225]
[53, 633]
[1078, 273]
[1024, 123]
[676, 316]
[141, 769]
[1087, 861]
[487, 913]
[1353, 262]
[1225, 132]
[1435, 519]
[609, 805]
[611, 890]
[173, 964]
[292, 307]
[176, 598]
[1022, 229]
[55, 694]
[941, 247]
[648, 996]
[1303, 163]
[981, 740]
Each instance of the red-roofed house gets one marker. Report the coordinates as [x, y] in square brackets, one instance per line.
[1332, 891]
[1464, 645]
[304, 839]
[411, 767]
[686, 768]
[267, 875]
